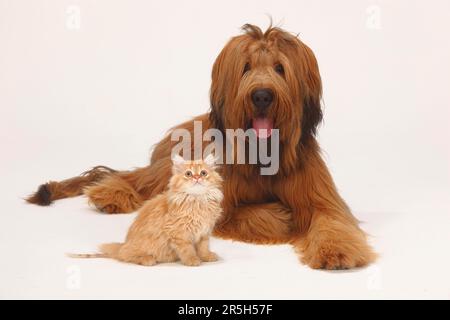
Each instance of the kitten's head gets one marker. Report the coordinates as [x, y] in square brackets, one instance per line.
[194, 177]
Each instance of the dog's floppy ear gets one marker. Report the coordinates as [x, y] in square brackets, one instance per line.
[226, 75]
[216, 93]
[215, 115]
[311, 86]
[309, 83]
[306, 72]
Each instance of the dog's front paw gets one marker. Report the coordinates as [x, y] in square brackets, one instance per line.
[337, 255]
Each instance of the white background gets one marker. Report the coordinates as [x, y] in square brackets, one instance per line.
[103, 93]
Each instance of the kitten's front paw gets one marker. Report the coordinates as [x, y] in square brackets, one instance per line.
[146, 261]
[209, 257]
[192, 261]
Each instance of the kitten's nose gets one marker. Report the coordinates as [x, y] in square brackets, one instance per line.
[196, 177]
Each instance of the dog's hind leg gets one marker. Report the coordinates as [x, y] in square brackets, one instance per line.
[113, 194]
[126, 191]
[109, 190]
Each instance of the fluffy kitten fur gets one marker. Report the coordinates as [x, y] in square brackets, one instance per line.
[176, 224]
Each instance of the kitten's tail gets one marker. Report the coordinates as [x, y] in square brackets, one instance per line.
[107, 250]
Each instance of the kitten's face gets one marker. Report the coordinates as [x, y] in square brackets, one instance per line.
[194, 177]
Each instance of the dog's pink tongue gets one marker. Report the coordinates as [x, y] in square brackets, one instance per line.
[263, 127]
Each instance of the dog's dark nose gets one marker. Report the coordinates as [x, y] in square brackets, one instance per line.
[262, 98]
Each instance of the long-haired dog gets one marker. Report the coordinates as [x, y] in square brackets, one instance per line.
[263, 80]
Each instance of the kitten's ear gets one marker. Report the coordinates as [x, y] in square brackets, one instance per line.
[177, 160]
[210, 160]
[178, 164]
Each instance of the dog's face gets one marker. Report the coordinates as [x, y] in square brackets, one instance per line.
[265, 81]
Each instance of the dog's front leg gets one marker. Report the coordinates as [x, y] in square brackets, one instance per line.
[326, 235]
[334, 241]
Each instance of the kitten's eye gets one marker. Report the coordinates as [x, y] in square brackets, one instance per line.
[203, 173]
[246, 68]
[279, 69]
[188, 174]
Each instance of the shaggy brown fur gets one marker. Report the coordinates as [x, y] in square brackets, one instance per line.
[300, 204]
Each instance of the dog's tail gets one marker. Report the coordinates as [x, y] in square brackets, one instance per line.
[107, 250]
[54, 190]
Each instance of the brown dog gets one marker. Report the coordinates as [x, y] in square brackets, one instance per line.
[273, 77]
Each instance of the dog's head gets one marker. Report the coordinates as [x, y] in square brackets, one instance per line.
[267, 80]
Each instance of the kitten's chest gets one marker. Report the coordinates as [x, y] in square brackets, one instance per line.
[196, 218]
[204, 216]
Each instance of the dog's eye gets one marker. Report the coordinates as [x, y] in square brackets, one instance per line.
[279, 69]
[246, 68]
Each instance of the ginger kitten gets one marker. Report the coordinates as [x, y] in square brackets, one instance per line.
[176, 224]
